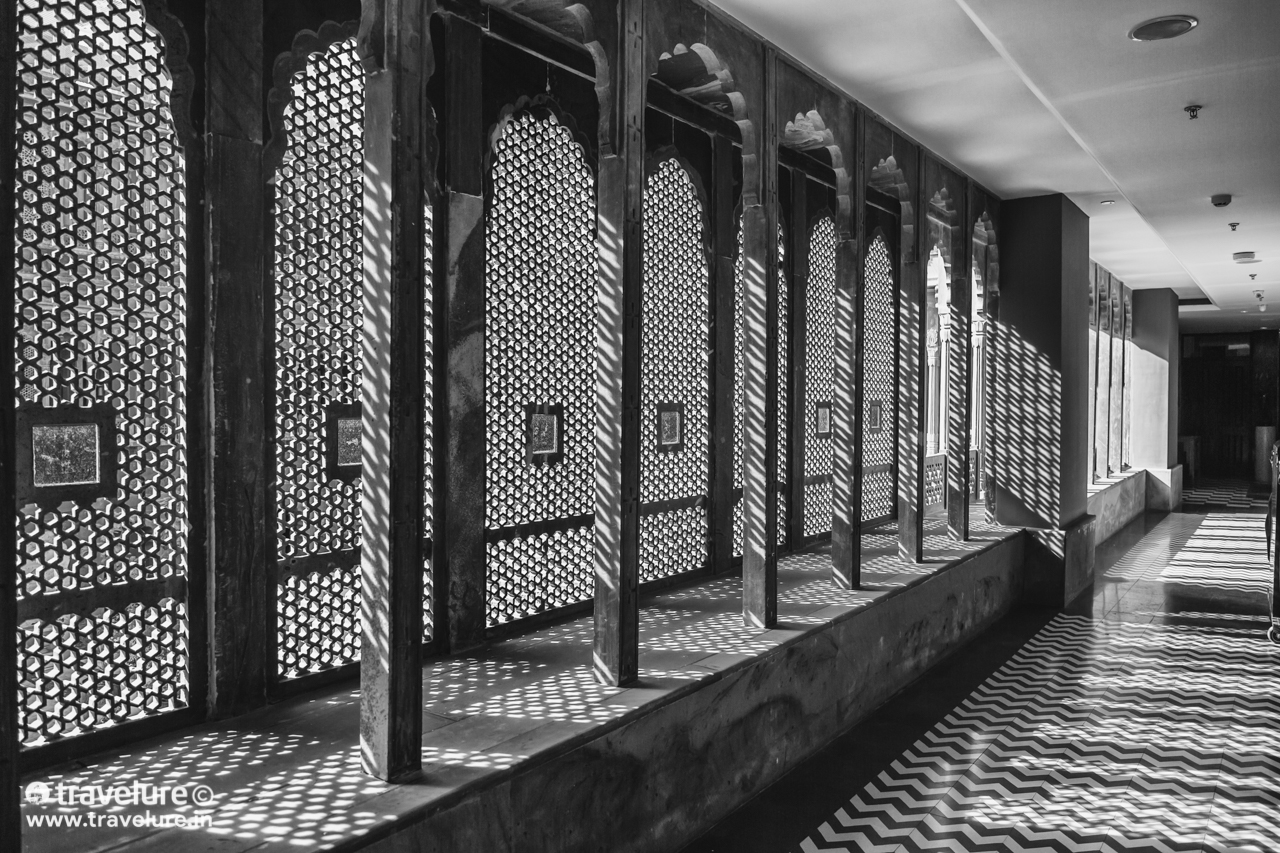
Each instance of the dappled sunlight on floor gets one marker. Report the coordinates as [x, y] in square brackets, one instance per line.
[290, 775]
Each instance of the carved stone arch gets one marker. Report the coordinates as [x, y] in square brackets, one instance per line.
[941, 216]
[306, 44]
[984, 233]
[572, 21]
[887, 177]
[697, 73]
[809, 133]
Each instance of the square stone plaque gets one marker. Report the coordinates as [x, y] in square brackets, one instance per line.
[544, 433]
[875, 416]
[64, 455]
[670, 427]
[343, 442]
[822, 413]
[348, 441]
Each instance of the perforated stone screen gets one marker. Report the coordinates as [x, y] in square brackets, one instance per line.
[675, 363]
[819, 367]
[880, 370]
[540, 304]
[100, 197]
[318, 319]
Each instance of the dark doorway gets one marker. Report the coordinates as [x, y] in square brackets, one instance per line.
[1229, 384]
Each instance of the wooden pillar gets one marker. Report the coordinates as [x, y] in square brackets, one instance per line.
[241, 597]
[959, 396]
[393, 41]
[760, 455]
[846, 532]
[10, 816]
[461, 267]
[911, 387]
[724, 231]
[846, 524]
[617, 497]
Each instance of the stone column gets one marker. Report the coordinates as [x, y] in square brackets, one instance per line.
[1043, 472]
[1154, 395]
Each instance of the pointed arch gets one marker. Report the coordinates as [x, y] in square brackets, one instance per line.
[572, 21]
[697, 73]
[889, 178]
[808, 132]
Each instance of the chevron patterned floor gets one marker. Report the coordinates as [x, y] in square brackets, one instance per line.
[1237, 495]
[1135, 727]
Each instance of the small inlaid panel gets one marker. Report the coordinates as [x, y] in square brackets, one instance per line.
[64, 455]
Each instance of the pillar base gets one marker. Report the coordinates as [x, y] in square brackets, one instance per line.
[1059, 563]
[1164, 489]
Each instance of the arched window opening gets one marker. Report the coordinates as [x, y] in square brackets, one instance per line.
[880, 383]
[319, 314]
[978, 462]
[820, 297]
[675, 378]
[540, 313]
[938, 357]
[101, 363]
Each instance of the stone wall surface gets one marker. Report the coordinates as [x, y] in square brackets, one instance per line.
[663, 775]
[1117, 504]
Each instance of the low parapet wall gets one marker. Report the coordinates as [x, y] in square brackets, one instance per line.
[1116, 502]
[656, 779]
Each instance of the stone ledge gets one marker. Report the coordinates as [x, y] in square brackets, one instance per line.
[658, 777]
[1116, 501]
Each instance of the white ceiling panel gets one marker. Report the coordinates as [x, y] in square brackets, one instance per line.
[1036, 96]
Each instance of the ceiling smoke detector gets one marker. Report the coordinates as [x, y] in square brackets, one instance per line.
[1245, 258]
[1165, 27]
[1220, 200]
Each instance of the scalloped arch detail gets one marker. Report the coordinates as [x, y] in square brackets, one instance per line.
[887, 177]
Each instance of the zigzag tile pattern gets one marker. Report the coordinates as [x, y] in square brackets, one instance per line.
[1098, 735]
[1237, 495]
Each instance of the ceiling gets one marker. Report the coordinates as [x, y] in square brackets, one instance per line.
[1040, 96]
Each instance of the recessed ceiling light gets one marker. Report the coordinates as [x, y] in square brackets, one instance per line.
[1166, 27]
[1107, 201]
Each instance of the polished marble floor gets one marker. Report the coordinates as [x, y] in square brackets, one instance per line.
[1147, 717]
[1230, 495]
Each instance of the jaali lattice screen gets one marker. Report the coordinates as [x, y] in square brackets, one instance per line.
[540, 302]
[318, 317]
[739, 388]
[784, 390]
[739, 378]
[819, 347]
[675, 381]
[101, 372]
[880, 370]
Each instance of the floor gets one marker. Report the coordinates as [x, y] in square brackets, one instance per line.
[1225, 494]
[289, 777]
[1147, 717]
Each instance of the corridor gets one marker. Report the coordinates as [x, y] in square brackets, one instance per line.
[1144, 718]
